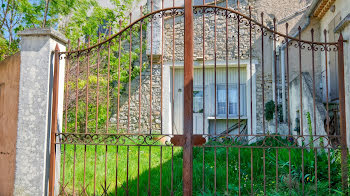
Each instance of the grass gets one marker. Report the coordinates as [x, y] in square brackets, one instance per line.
[215, 162]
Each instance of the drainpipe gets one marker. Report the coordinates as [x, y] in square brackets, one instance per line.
[273, 74]
[284, 110]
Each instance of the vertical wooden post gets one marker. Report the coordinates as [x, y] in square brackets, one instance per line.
[344, 151]
[188, 101]
[54, 123]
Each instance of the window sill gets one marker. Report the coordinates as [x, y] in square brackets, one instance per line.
[229, 117]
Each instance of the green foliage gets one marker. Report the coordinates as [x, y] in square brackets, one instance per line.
[238, 160]
[309, 125]
[297, 125]
[7, 49]
[89, 19]
[75, 18]
[270, 111]
[33, 11]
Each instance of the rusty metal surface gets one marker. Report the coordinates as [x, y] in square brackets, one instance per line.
[344, 149]
[178, 140]
[188, 101]
[54, 122]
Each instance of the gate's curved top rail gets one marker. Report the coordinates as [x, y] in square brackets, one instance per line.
[209, 9]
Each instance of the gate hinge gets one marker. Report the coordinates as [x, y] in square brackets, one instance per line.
[179, 140]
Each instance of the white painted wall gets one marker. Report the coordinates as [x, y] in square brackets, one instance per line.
[343, 8]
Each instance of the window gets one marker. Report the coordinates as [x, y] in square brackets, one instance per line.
[232, 100]
[198, 101]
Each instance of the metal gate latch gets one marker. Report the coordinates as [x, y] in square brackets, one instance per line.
[179, 140]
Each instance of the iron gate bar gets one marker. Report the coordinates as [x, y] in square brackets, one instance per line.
[76, 93]
[140, 90]
[130, 46]
[215, 95]
[150, 81]
[263, 92]
[150, 104]
[203, 65]
[62, 186]
[301, 109]
[86, 113]
[327, 110]
[344, 150]
[314, 99]
[227, 104]
[288, 101]
[239, 100]
[116, 171]
[161, 77]
[107, 109]
[173, 75]
[119, 57]
[276, 103]
[203, 81]
[188, 103]
[251, 99]
[98, 81]
[54, 122]
[87, 88]
[76, 111]
[140, 73]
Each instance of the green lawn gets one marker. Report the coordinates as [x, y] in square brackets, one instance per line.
[131, 162]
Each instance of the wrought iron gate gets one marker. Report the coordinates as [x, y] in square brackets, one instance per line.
[129, 105]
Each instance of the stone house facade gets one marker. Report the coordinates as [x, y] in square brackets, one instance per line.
[167, 111]
[328, 19]
[295, 13]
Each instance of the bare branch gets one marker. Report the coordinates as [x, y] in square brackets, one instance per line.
[5, 13]
[45, 14]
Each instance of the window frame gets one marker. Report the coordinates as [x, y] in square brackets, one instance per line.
[234, 87]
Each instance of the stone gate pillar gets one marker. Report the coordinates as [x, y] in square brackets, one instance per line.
[34, 110]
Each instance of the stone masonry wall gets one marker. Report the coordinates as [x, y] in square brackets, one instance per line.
[136, 104]
[257, 6]
[232, 47]
[145, 103]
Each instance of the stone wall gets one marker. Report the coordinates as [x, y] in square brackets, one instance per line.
[209, 28]
[145, 103]
[231, 40]
[135, 105]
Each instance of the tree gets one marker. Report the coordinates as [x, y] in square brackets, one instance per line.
[5, 6]
[76, 19]
[9, 18]
[69, 16]
[79, 25]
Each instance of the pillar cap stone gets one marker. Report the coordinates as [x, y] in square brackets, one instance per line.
[44, 32]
